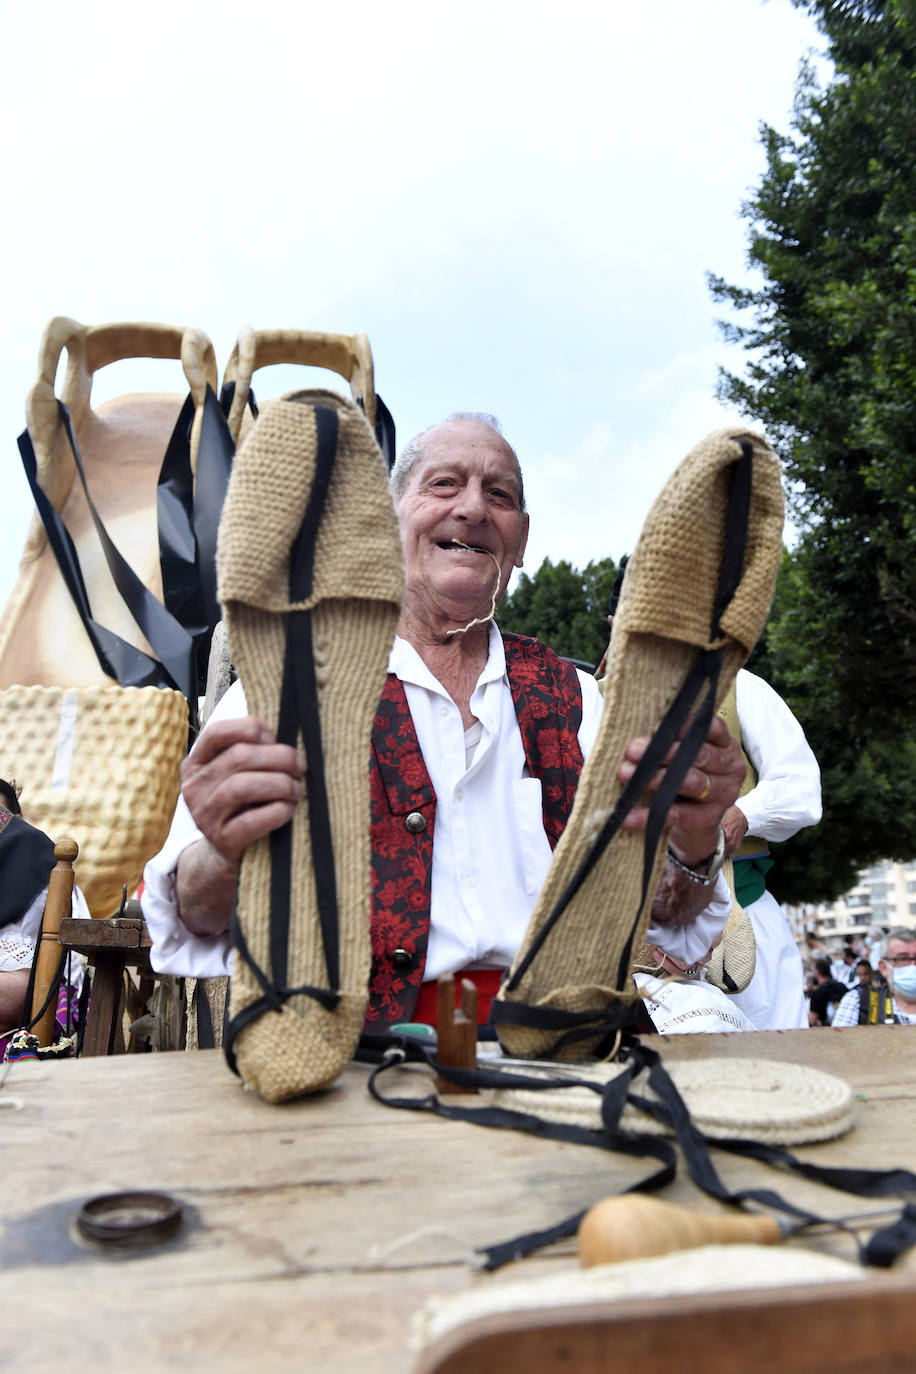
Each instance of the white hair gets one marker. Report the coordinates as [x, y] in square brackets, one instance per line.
[412, 452]
[901, 933]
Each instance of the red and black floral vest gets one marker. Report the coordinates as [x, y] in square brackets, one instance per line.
[548, 703]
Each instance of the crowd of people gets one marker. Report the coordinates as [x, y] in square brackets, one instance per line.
[871, 981]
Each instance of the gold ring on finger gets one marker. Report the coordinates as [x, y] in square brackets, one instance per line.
[705, 793]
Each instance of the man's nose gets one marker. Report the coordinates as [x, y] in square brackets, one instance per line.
[471, 502]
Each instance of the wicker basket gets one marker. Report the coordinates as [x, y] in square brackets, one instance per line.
[99, 764]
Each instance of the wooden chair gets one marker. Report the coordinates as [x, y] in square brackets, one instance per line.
[112, 945]
[48, 966]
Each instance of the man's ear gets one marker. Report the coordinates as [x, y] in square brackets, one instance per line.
[520, 556]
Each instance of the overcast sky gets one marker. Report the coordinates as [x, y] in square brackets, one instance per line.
[517, 203]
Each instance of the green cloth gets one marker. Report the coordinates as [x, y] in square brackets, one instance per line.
[750, 878]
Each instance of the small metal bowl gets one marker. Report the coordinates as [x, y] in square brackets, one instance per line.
[129, 1220]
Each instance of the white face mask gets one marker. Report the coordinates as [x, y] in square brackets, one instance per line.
[903, 980]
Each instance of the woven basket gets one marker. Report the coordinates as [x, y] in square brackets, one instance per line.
[98, 764]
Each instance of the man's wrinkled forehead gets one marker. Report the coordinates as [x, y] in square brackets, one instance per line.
[457, 439]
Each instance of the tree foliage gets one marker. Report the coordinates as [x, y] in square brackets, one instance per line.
[831, 372]
[563, 607]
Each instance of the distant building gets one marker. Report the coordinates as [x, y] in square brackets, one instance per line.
[885, 895]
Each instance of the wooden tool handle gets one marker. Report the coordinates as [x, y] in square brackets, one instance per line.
[633, 1226]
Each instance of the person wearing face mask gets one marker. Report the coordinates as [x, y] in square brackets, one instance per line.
[895, 1003]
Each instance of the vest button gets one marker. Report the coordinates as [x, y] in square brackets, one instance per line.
[416, 822]
[401, 959]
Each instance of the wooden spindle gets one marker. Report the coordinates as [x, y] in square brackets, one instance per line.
[57, 906]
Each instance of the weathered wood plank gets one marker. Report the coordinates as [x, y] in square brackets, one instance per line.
[330, 1220]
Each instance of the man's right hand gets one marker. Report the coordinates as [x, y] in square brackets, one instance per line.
[238, 785]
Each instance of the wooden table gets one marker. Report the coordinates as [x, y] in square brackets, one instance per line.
[300, 1249]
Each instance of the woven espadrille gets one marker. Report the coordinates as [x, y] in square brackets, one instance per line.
[734, 959]
[310, 579]
[694, 600]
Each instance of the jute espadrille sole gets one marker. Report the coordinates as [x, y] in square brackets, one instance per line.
[572, 970]
[301, 928]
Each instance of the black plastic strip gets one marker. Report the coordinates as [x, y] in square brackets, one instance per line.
[129, 666]
[206, 1040]
[886, 1245]
[215, 452]
[177, 544]
[169, 641]
[734, 545]
[52, 992]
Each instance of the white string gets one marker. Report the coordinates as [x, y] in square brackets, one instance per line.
[479, 620]
[379, 1253]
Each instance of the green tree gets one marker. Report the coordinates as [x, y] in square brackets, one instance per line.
[563, 607]
[831, 373]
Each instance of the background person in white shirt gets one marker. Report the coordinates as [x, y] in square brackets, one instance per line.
[459, 496]
[785, 798]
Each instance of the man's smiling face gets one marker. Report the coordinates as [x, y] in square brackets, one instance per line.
[464, 491]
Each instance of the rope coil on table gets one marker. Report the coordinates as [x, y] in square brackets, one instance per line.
[767, 1100]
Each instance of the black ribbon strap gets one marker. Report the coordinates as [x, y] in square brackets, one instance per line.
[299, 714]
[129, 666]
[668, 1107]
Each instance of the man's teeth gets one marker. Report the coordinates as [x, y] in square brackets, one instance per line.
[457, 544]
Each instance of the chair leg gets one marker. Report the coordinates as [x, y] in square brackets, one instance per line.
[104, 1005]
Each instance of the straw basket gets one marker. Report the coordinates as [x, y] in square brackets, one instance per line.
[100, 764]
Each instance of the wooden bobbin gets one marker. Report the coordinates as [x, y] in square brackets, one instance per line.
[57, 907]
[457, 1030]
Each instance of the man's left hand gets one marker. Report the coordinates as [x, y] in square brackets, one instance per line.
[711, 786]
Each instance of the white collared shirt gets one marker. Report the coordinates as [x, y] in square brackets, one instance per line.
[787, 796]
[490, 852]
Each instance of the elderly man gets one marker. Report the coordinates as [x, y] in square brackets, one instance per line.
[470, 715]
[894, 1003]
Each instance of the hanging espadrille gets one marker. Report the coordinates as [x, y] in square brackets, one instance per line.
[310, 579]
[696, 594]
